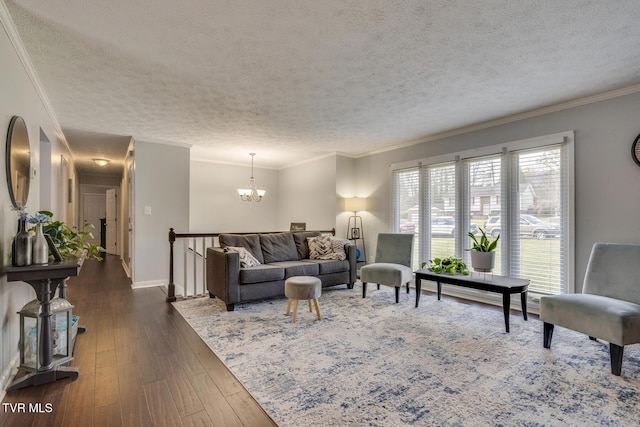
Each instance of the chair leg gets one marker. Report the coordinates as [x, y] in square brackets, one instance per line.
[364, 289]
[548, 334]
[378, 285]
[288, 307]
[616, 352]
[397, 294]
[407, 287]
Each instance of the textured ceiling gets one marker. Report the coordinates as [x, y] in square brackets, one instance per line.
[291, 80]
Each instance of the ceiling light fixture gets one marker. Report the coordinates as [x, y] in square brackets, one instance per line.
[251, 194]
[101, 162]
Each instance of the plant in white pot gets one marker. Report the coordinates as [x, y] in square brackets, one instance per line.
[483, 257]
[70, 242]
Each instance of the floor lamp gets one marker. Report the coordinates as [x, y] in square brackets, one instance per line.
[355, 230]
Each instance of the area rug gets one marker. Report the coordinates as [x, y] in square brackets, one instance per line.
[371, 362]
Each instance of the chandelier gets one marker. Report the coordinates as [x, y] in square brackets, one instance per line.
[251, 194]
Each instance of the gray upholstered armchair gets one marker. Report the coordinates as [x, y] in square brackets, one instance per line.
[392, 266]
[609, 305]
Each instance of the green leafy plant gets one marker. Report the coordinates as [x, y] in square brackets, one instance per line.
[483, 244]
[70, 242]
[451, 265]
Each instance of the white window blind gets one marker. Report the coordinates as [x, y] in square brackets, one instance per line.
[441, 225]
[538, 232]
[406, 205]
[482, 204]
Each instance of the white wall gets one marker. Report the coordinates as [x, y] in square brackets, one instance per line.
[161, 184]
[607, 196]
[308, 194]
[19, 96]
[346, 187]
[215, 206]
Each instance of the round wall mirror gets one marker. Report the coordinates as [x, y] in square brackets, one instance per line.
[18, 161]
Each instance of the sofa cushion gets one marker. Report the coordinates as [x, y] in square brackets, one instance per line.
[261, 273]
[250, 242]
[330, 266]
[302, 246]
[246, 259]
[278, 247]
[297, 268]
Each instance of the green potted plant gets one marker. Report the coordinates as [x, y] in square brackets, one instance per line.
[451, 265]
[70, 242]
[483, 257]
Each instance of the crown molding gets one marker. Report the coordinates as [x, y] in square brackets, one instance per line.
[10, 29]
[221, 162]
[512, 118]
[278, 168]
[306, 161]
[160, 141]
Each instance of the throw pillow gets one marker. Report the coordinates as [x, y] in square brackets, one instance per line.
[337, 246]
[319, 246]
[246, 259]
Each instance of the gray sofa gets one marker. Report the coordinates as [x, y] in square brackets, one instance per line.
[281, 255]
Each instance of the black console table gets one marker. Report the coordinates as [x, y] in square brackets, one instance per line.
[45, 279]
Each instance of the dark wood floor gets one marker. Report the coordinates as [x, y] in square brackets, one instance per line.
[140, 365]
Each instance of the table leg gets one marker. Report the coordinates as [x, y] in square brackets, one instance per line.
[523, 299]
[506, 303]
[418, 289]
[45, 348]
[439, 290]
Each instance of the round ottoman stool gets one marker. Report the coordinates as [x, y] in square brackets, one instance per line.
[300, 288]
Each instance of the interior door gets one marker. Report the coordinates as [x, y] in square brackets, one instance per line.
[112, 221]
[94, 209]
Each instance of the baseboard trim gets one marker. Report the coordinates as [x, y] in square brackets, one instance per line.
[149, 284]
[126, 268]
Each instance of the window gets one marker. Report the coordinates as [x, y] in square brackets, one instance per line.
[520, 191]
[406, 212]
[485, 186]
[537, 235]
[441, 196]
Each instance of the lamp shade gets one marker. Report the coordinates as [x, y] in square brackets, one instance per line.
[355, 204]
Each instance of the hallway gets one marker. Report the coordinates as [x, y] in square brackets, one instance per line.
[140, 365]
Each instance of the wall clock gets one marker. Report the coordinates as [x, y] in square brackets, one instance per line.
[635, 150]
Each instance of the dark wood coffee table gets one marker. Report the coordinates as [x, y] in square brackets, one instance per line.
[483, 281]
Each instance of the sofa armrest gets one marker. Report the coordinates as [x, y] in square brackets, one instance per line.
[223, 273]
[350, 250]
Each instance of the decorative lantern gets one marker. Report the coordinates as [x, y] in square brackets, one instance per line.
[62, 334]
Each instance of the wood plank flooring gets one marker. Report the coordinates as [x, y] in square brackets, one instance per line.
[140, 365]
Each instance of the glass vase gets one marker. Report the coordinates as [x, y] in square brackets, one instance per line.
[22, 246]
[40, 251]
